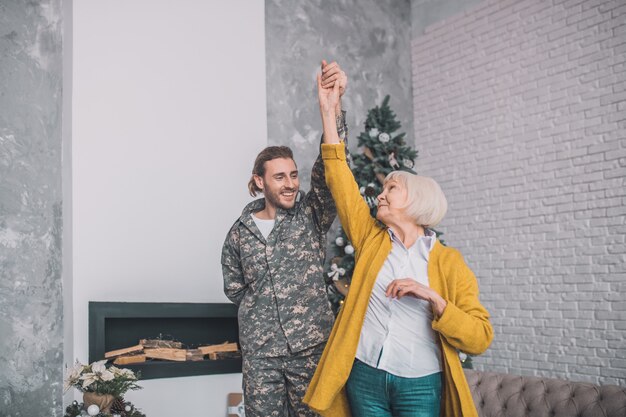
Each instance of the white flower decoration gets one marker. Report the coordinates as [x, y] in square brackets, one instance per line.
[88, 379]
[126, 373]
[98, 367]
[73, 375]
[373, 132]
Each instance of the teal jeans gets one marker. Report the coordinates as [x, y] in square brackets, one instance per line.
[376, 393]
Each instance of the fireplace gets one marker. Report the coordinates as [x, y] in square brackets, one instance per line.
[117, 325]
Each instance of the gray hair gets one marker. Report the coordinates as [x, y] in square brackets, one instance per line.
[426, 202]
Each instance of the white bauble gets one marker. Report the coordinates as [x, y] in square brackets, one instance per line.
[349, 250]
[339, 241]
[93, 410]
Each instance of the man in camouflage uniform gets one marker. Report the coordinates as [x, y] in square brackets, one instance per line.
[273, 267]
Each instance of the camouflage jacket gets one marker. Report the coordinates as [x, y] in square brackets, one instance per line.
[278, 283]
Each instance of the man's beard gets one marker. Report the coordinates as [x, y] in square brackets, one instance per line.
[274, 198]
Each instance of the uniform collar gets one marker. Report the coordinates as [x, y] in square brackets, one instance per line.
[258, 205]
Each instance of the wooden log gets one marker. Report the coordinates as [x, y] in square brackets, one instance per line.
[179, 355]
[158, 343]
[194, 355]
[224, 347]
[126, 360]
[224, 355]
[119, 352]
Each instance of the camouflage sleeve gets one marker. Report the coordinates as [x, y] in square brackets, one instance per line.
[321, 199]
[234, 284]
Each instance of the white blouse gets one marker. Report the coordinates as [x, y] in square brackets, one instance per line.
[397, 336]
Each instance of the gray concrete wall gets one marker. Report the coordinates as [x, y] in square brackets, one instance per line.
[31, 305]
[520, 114]
[371, 41]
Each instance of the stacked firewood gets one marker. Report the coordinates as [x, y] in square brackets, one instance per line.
[172, 351]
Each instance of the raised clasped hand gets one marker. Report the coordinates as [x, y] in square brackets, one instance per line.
[331, 84]
[331, 74]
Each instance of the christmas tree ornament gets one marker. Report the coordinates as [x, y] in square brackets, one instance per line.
[393, 162]
[73, 410]
[339, 241]
[370, 195]
[373, 132]
[408, 163]
[341, 286]
[128, 408]
[93, 410]
[362, 190]
[118, 406]
[349, 250]
[384, 137]
[335, 271]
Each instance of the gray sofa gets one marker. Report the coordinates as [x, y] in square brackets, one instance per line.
[504, 395]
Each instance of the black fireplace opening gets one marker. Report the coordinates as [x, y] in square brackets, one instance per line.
[118, 325]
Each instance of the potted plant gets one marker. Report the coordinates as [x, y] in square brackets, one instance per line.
[101, 385]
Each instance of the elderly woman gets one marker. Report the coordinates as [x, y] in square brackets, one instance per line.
[413, 303]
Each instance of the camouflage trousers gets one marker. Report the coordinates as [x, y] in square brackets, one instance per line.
[275, 387]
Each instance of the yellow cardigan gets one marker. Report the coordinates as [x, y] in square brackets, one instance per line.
[464, 325]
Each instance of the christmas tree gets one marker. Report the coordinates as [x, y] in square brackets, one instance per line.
[382, 151]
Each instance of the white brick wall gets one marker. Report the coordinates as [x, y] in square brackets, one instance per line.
[520, 114]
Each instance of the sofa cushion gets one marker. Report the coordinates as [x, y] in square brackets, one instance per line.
[504, 395]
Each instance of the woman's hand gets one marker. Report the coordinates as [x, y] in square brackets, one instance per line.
[398, 288]
[329, 97]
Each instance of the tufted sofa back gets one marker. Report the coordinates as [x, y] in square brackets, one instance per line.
[503, 395]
